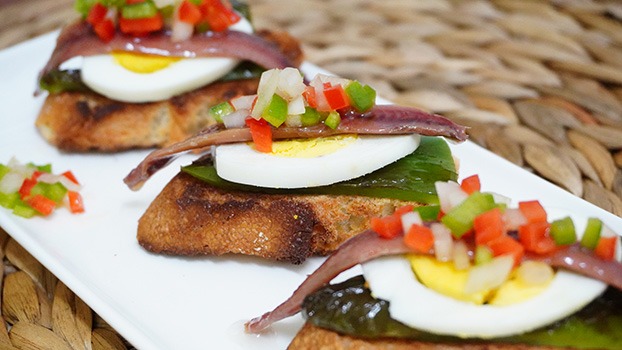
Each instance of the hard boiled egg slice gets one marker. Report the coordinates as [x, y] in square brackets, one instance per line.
[163, 79]
[414, 304]
[311, 162]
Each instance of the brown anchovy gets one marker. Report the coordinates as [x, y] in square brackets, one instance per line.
[368, 245]
[78, 39]
[380, 120]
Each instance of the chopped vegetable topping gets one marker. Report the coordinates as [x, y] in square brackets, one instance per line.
[30, 190]
[284, 99]
[476, 230]
[141, 17]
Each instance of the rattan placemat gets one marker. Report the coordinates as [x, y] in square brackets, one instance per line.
[539, 83]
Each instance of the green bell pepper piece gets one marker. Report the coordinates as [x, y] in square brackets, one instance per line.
[428, 212]
[460, 219]
[563, 231]
[4, 170]
[310, 117]
[138, 10]
[332, 120]
[220, 110]
[362, 97]
[8, 200]
[24, 210]
[483, 254]
[591, 235]
[276, 111]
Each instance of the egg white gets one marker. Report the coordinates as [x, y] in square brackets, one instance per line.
[102, 74]
[392, 279]
[242, 164]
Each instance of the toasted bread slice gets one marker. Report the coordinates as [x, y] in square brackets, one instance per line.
[313, 337]
[190, 217]
[80, 122]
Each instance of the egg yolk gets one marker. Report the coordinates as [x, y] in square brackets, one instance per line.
[311, 148]
[141, 63]
[444, 278]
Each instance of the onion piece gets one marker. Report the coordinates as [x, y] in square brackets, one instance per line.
[291, 84]
[460, 255]
[181, 30]
[490, 275]
[513, 218]
[534, 273]
[243, 102]
[296, 106]
[11, 182]
[443, 242]
[52, 178]
[236, 119]
[267, 87]
[409, 219]
[450, 194]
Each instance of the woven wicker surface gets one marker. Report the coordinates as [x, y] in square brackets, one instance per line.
[538, 82]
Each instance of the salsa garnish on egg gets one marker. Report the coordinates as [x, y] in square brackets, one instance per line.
[143, 50]
[285, 108]
[515, 275]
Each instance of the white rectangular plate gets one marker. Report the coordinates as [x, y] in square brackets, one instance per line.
[161, 302]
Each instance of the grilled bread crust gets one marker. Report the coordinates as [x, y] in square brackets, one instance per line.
[87, 121]
[190, 217]
[312, 337]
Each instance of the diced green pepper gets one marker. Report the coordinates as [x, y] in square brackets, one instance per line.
[332, 120]
[55, 191]
[138, 10]
[310, 117]
[46, 168]
[196, 2]
[220, 110]
[483, 254]
[460, 219]
[276, 112]
[428, 212]
[362, 97]
[563, 232]
[84, 6]
[8, 200]
[22, 209]
[591, 235]
[4, 170]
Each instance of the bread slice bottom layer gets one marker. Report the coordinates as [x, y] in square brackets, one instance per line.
[190, 217]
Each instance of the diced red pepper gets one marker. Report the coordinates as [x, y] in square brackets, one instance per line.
[217, 15]
[97, 13]
[403, 210]
[141, 26]
[533, 211]
[387, 227]
[471, 184]
[261, 133]
[43, 205]
[309, 96]
[76, 204]
[69, 175]
[336, 97]
[419, 238]
[27, 185]
[606, 248]
[488, 226]
[506, 245]
[105, 30]
[535, 237]
[189, 12]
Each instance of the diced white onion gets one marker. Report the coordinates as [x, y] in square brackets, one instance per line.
[243, 102]
[490, 275]
[23, 169]
[291, 84]
[51, 178]
[11, 182]
[443, 242]
[450, 194]
[320, 99]
[409, 219]
[294, 121]
[236, 119]
[501, 199]
[296, 106]
[267, 87]
[460, 255]
[514, 218]
[181, 30]
[163, 3]
[535, 273]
